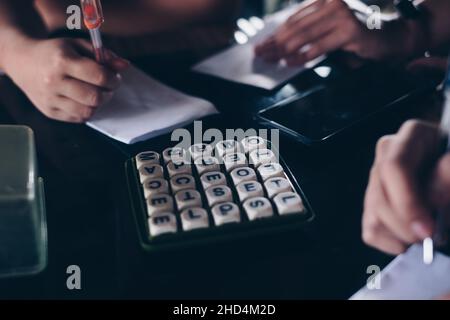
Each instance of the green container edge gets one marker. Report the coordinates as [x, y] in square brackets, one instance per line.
[43, 241]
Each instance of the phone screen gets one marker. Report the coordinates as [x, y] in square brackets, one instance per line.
[339, 104]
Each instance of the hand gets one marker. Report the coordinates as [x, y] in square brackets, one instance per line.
[323, 26]
[409, 181]
[62, 79]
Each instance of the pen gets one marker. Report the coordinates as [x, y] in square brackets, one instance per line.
[428, 243]
[93, 19]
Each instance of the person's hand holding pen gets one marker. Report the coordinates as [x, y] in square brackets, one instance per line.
[66, 79]
[62, 78]
[323, 26]
[409, 183]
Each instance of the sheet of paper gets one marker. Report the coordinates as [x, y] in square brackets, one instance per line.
[239, 63]
[143, 108]
[408, 278]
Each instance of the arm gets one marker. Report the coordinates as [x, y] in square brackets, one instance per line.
[19, 24]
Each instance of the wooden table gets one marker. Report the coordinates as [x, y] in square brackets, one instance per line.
[90, 223]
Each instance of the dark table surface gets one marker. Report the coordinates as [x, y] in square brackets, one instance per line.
[90, 222]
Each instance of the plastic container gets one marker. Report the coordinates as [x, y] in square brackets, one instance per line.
[23, 229]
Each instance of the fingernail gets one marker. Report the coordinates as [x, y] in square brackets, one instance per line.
[420, 230]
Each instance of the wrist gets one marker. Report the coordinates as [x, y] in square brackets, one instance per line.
[403, 39]
[13, 44]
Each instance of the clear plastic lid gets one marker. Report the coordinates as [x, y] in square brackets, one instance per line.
[23, 230]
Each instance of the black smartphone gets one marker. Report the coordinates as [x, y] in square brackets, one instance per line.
[341, 103]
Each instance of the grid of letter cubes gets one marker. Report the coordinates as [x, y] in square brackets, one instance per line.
[210, 186]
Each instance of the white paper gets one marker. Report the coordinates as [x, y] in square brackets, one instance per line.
[408, 278]
[239, 63]
[143, 108]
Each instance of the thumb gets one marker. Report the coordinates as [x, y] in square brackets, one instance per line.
[113, 61]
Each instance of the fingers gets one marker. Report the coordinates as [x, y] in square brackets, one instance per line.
[376, 231]
[72, 109]
[378, 236]
[321, 26]
[411, 219]
[384, 211]
[57, 114]
[306, 7]
[268, 50]
[287, 33]
[89, 71]
[84, 93]
[80, 64]
[67, 110]
[395, 223]
[397, 211]
[292, 36]
[400, 172]
[311, 36]
[71, 83]
[328, 43]
[113, 61]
